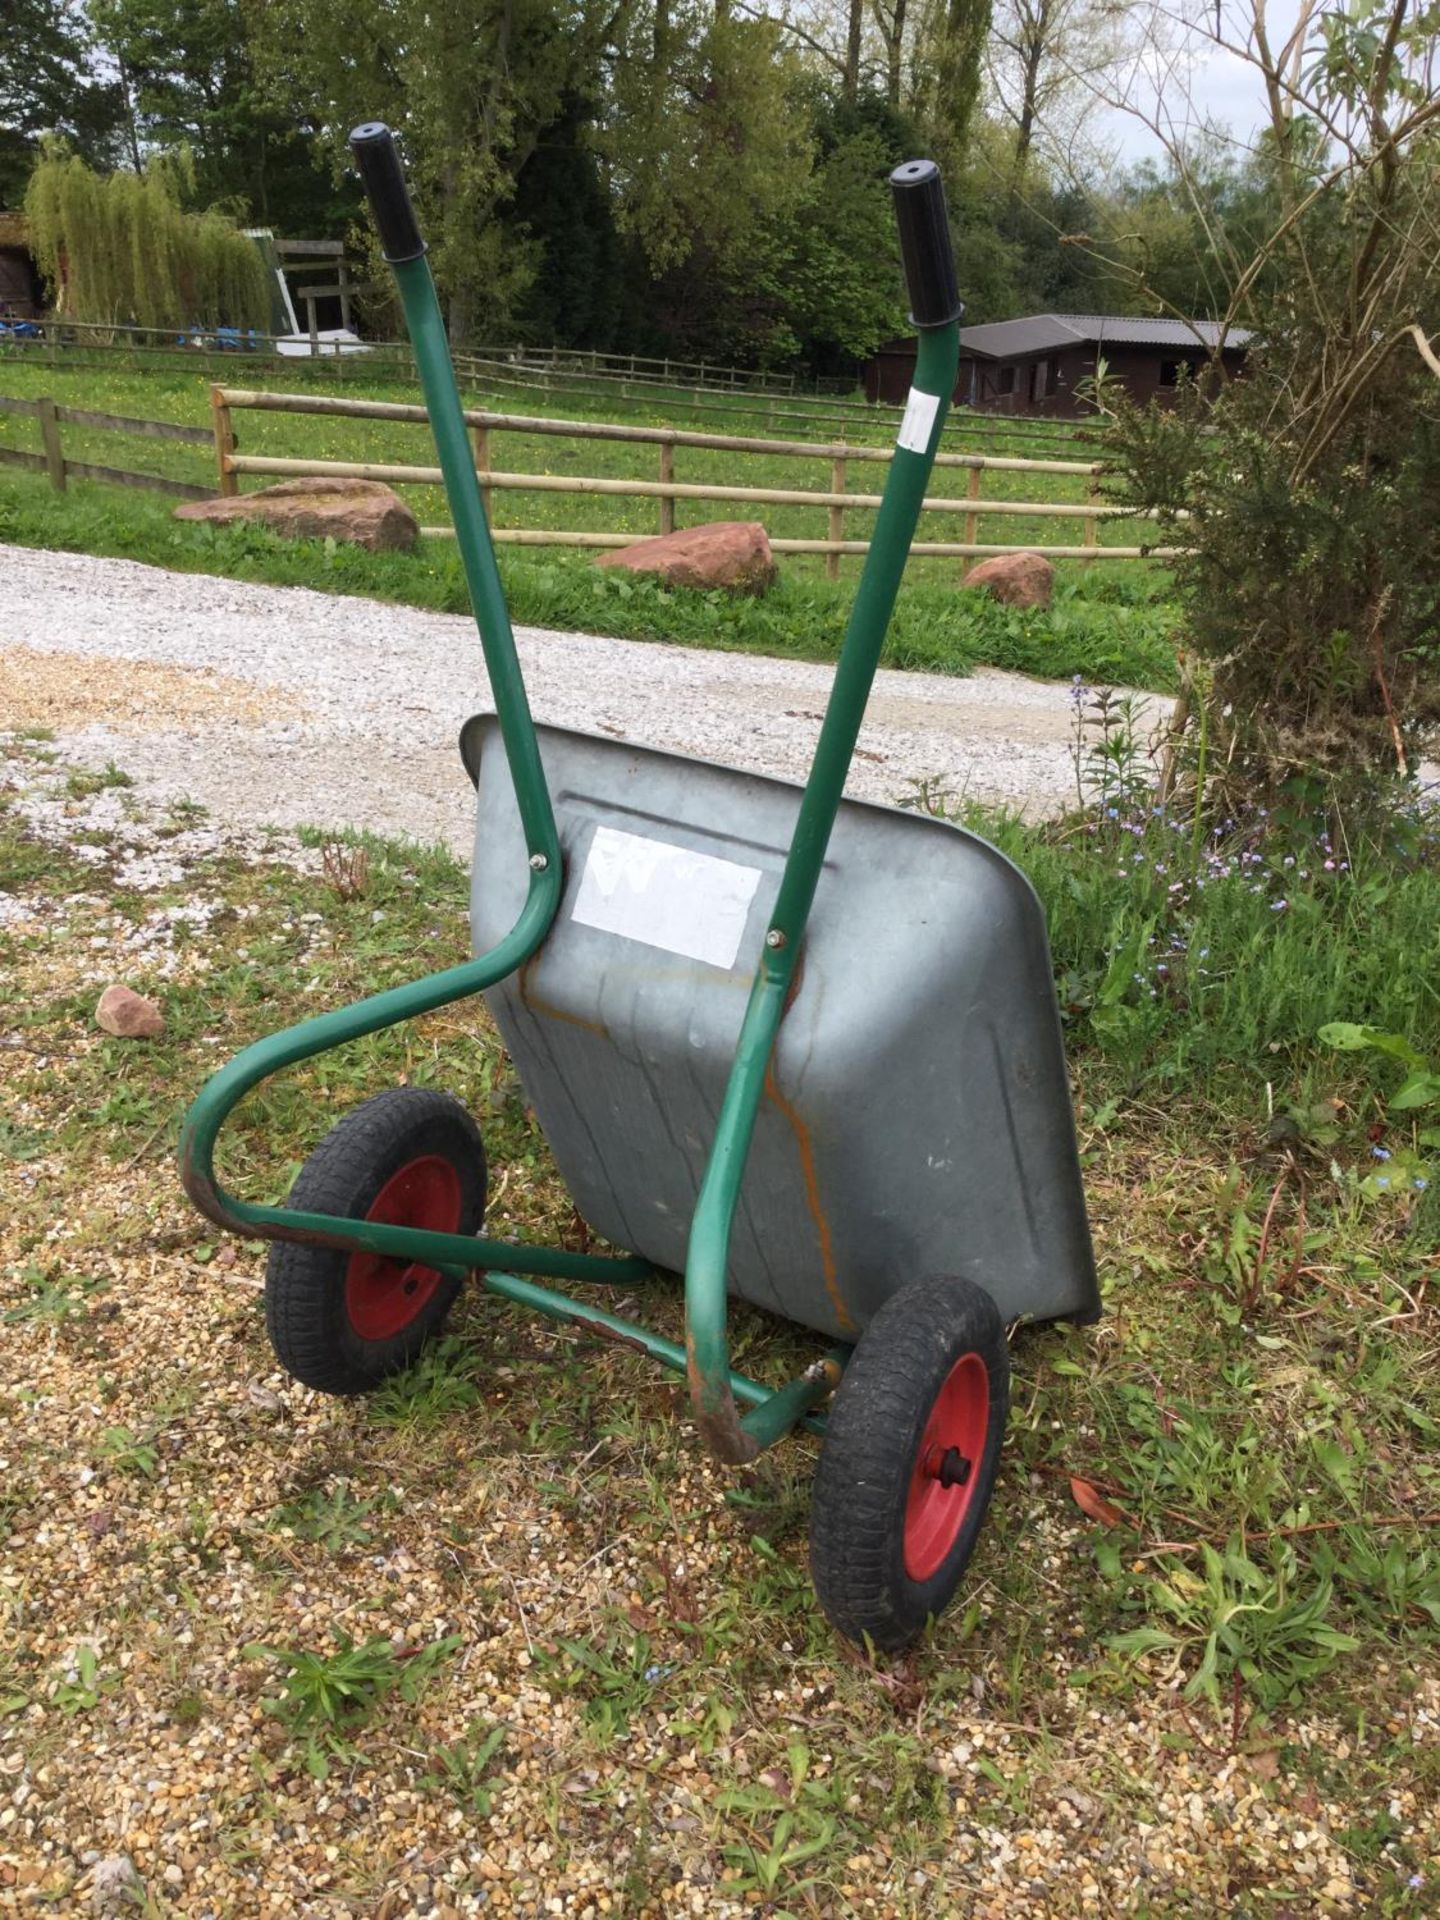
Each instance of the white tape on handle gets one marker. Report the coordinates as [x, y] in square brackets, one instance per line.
[919, 421]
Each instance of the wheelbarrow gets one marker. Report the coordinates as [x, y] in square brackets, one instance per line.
[795, 1048]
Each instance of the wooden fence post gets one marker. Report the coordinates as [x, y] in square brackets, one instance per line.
[1092, 525]
[667, 478]
[837, 519]
[972, 492]
[482, 465]
[50, 438]
[224, 441]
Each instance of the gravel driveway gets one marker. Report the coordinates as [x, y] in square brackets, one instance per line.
[282, 706]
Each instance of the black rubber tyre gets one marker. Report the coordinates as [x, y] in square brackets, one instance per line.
[342, 1323]
[895, 1513]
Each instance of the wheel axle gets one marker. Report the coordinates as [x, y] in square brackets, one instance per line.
[948, 1465]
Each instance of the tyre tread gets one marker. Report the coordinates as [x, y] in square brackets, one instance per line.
[304, 1285]
[857, 1513]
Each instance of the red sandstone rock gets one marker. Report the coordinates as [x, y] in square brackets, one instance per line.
[1019, 579]
[734, 554]
[365, 512]
[129, 1015]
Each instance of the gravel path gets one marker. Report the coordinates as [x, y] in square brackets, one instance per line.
[280, 705]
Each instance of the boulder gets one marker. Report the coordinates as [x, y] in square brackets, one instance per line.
[1019, 579]
[365, 512]
[129, 1015]
[734, 554]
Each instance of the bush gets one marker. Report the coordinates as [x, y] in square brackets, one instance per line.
[1305, 489]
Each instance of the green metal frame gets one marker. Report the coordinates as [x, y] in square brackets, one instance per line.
[715, 1389]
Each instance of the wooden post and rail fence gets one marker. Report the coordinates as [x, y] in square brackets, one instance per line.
[666, 490]
[52, 460]
[842, 496]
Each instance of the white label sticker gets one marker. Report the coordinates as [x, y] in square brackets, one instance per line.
[920, 411]
[666, 896]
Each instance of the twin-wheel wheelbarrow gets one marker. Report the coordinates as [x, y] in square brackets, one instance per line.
[793, 1047]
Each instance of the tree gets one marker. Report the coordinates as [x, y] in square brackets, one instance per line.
[189, 77]
[709, 154]
[892, 18]
[118, 250]
[953, 51]
[1303, 495]
[577, 293]
[1175, 235]
[471, 85]
[49, 84]
[836, 279]
[1041, 60]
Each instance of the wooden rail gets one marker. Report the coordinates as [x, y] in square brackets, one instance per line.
[52, 460]
[666, 490]
[402, 473]
[334, 406]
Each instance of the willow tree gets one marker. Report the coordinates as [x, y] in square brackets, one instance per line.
[120, 250]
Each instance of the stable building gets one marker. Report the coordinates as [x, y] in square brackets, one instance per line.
[1042, 364]
[21, 295]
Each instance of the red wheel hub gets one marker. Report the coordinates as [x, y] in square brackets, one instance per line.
[947, 1467]
[382, 1295]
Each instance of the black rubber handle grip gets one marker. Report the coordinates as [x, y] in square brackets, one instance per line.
[383, 178]
[925, 243]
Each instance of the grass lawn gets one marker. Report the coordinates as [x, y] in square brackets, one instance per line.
[1196, 1665]
[1110, 621]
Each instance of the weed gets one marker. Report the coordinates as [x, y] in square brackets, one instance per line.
[325, 1698]
[187, 1710]
[1111, 765]
[129, 1106]
[20, 1144]
[618, 1674]
[347, 869]
[1385, 1580]
[429, 1394]
[52, 1300]
[83, 1686]
[333, 1518]
[1404, 1166]
[1243, 1621]
[84, 782]
[788, 1817]
[463, 1768]
[128, 1452]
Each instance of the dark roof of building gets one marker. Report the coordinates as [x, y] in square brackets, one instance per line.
[1049, 332]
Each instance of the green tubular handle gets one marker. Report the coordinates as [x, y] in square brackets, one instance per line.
[727, 1436]
[379, 164]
